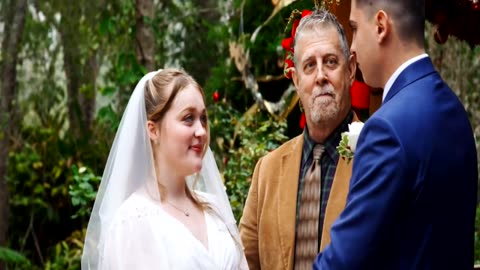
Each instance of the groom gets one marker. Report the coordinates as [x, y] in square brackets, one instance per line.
[412, 197]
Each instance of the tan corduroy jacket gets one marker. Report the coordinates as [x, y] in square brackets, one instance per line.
[267, 227]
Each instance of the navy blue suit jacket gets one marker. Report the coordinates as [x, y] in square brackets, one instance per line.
[412, 197]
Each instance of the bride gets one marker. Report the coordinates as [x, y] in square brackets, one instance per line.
[161, 202]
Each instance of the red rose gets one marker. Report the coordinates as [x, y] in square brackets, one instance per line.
[287, 44]
[306, 12]
[294, 27]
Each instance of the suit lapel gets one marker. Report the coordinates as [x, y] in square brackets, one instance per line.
[287, 200]
[413, 72]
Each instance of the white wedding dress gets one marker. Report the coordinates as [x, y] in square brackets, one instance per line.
[143, 236]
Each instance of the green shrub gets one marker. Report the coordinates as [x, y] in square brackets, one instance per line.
[68, 253]
[14, 259]
[239, 144]
[83, 190]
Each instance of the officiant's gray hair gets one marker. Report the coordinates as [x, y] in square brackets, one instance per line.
[316, 22]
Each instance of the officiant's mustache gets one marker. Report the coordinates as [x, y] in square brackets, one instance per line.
[325, 90]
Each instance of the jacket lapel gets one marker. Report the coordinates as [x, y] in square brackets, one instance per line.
[413, 72]
[338, 196]
[287, 200]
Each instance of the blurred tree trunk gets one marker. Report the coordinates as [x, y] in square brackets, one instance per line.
[73, 68]
[144, 37]
[79, 58]
[13, 31]
[87, 97]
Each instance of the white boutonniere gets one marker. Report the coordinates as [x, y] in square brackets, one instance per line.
[348, 143]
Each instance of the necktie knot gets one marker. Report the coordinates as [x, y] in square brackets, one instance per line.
[318, 151]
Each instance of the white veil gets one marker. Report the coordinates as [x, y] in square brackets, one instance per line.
[130, 167]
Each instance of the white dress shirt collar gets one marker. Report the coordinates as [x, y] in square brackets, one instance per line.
[398, 71]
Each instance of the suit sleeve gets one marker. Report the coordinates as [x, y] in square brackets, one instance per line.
[378, 189]
[249, 222]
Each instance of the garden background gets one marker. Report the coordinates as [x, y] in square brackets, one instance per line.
[69, 67]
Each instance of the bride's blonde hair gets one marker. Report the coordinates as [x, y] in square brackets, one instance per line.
[158, 100]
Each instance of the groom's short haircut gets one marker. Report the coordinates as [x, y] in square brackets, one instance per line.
[409, 16]
[317, 21]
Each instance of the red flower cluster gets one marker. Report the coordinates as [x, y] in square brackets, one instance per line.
[287, 43]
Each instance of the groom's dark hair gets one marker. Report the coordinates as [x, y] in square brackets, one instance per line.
[409, 16]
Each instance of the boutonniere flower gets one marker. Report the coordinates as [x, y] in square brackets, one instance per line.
[348, 143]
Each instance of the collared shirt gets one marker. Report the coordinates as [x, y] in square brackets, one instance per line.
[399, 70]
[328, 164]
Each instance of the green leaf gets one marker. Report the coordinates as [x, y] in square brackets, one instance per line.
[75, 201]
[11, 256]
[107, 91]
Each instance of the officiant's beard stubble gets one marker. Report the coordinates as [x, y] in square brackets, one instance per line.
[323, 104]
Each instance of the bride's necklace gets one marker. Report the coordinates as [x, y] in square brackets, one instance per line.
[185, 212]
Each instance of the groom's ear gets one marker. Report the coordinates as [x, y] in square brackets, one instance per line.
[152, 130]
[383, 26]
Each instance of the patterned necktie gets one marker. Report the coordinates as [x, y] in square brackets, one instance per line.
[306, 246]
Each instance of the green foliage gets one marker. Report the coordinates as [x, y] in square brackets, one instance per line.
[46, 189]
[83, 190]
[38, 171]
[257, 137]
[10, 256]
[242, 143]
[38, 178]
[68, 253]
[222, 123]
[224, 80]
[344, 149]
